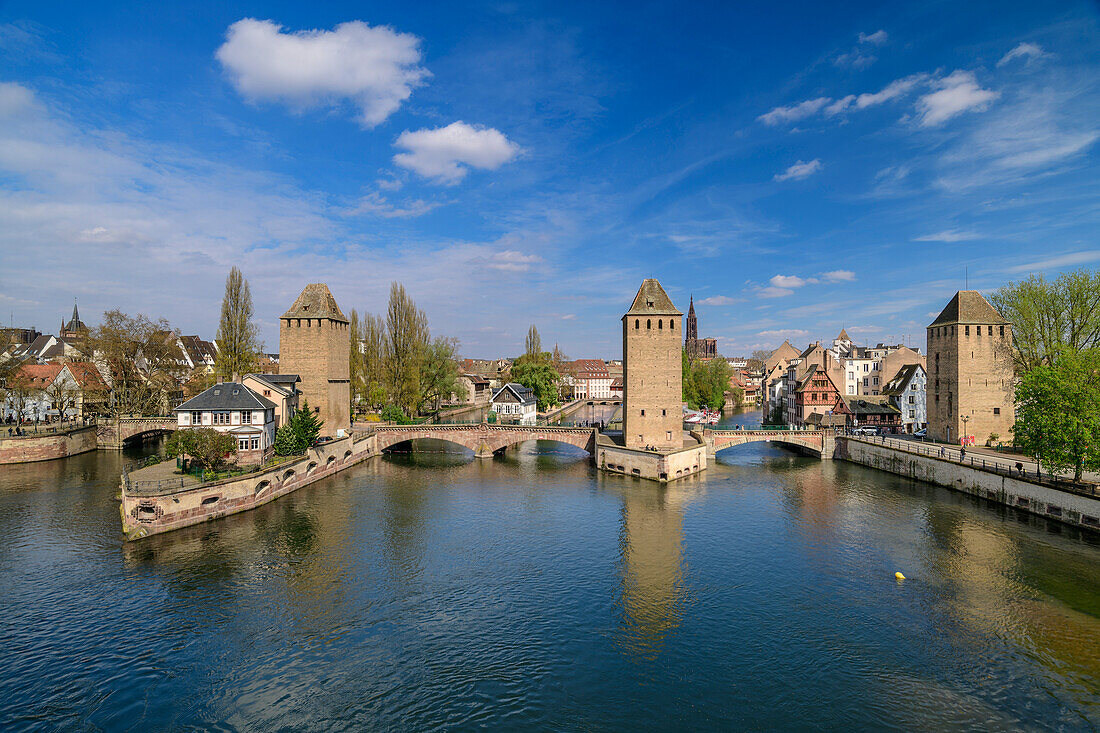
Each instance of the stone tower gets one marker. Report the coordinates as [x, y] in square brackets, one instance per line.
[970, 374]
[315, 344]
[652, 370]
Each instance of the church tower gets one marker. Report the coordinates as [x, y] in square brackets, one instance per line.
[315, 343]
[692, 323]
[652, 371]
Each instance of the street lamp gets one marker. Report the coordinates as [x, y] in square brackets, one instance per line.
[965, 419]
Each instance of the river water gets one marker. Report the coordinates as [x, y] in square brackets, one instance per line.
[427, 590]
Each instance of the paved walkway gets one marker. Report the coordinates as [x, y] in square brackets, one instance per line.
[989, 455]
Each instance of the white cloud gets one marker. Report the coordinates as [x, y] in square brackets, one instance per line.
[877, 38]
[800, 170]
[784, 333]
[442, 154]
[770, 291]
[956, 94]
[787, 281]
[893, 90]
[375, 68]
[838, 276]
[1024, 50]
[1051, 263]
[720, 300]
[949, 235]
[794, 112]
[15, 99]
[376, 204]
[512, 261]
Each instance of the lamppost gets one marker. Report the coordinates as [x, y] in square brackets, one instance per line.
[965, 419]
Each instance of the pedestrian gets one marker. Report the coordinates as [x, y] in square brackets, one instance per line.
[962, 454]
[1020, 467]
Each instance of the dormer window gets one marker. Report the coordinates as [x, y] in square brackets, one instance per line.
[649, 303]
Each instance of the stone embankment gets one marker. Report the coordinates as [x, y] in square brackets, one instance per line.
[1080, 508]
[47, 446]
[147, 513]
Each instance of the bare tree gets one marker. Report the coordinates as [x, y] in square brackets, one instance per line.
[140, 359]
[62, 396]
[238, 337]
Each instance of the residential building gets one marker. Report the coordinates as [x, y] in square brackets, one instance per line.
[591, 379]
[479, 391]
[907, 391]
[281, 389]
[877, 411]
[652, 370]
[314, 343]
[231, 407]
[814, 394]
[617, 388]
[696, 347]
[813, 356]
[514, 403]
[970, 371]
[198, 354]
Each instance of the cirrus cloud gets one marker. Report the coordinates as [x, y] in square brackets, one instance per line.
[956, 94]
[800, 170]
[445, 154]
[373, 67]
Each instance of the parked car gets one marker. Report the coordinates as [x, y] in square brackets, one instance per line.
[323, 439]
[866, 430]
[923, 432]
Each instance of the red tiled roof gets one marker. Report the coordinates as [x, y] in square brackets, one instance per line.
[37, 376]
[86, 375]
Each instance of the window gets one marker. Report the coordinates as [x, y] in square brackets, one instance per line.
[668, 435]
[912, 414]
[267, 393]
[996, 411]
[256, 442]
[866, 368]
[865, 382]
[648, 324]
[991, 330]
[662, 413]
[912, 400]
[643, 413]
[1002, 331]
[196, 418]
[660, 325]
[221, 418]
[874, 381]
[242, 444]
[246, 417]
[672, 325]
[636, 324]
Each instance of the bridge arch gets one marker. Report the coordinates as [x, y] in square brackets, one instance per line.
[484, 439]
[813, 442]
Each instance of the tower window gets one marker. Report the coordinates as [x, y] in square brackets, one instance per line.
[648, 324]
[660, 325]
[643, 413]
[636, 324]
[968, 330]
[991, 330]
[1002, 331]
[671, 325]
[996, 411]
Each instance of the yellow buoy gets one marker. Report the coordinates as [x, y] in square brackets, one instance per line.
[899, 576]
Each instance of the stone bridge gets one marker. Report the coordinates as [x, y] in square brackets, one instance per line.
[114, 432]
[818, 443]
[484, 439]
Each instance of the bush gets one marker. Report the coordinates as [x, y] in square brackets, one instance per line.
[393, 413]
[492, 418]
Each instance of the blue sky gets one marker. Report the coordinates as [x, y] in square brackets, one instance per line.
[798, 167]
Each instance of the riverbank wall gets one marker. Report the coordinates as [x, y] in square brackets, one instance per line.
[32, 448]
[1074, 509]
[144, 515]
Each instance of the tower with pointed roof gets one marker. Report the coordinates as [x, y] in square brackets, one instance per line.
[314, 343]
[75, 328]
[970, 375]
[692, 325]
[652, 370]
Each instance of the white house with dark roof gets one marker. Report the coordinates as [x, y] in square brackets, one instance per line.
[514, 403]
[282, 389]
[231, 407]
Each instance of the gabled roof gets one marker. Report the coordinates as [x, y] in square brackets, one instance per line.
[475, 378]
[869, 405]
[86, 376]
[316, 302]
[843, 335]
[785, 352]
[37, 376]
[283, 383]
[523, 394]
[590, 369]
[900, 381]
[968, 306]
[227, 396]
[652, 300]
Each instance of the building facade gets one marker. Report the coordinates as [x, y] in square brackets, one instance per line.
[970, 372]
[652, 370]
[231, 407]
[907, 390]
[591, 379]
[514, 403]
[314, 343]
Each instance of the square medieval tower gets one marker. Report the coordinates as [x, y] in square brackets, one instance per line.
[970, 374]
[315, 344]
[652, 371]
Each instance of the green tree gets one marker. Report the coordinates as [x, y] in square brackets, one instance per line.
[393, 413]
[407, 342]
[238, 344]
[537, 372]
[533, 342]
[1050, 316]
[286, 441]
[439, 373]
[205, 445]
[355, 360]
[306, 426]
[706, 382]
[375, 371]
[1058, 412]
